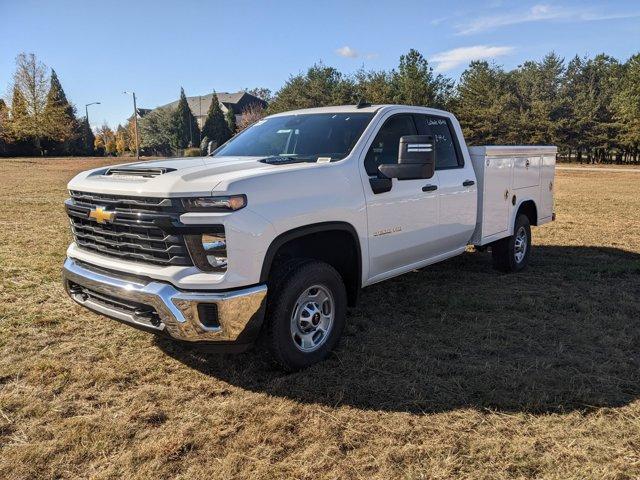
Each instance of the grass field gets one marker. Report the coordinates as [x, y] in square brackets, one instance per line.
[454, 371]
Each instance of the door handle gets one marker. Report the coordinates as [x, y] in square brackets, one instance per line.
[429, 188]
[468, 183]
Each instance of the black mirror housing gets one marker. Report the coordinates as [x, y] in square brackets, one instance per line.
[416, 159]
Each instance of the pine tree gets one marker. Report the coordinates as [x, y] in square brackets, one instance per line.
[319, 87]
[230, 118]
[87, 138]
[483, 105]
[18, 126]
[627, 109]
[62, 127]
[185, 124]
[215, 127]
[4, 128]
[415, 83]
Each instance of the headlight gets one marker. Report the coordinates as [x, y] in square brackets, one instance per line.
[215, 204]
[208, 251]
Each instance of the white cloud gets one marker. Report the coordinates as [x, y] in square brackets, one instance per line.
[458, 56]
[347, 51]
[537, 13]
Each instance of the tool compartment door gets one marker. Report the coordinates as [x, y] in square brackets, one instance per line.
[498, 172]
[526, 171]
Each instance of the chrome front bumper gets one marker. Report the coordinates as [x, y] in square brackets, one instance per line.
[159, 307]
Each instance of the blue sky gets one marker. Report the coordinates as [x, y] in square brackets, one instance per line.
[100, 49]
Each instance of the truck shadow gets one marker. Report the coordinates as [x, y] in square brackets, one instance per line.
[562, 335]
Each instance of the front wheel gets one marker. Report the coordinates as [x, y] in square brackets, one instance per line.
[305, 313]
[511, 254]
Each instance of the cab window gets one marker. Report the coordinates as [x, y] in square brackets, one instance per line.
[447, 151]
[384, 149]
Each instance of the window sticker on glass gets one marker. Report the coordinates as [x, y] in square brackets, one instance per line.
[436, 121]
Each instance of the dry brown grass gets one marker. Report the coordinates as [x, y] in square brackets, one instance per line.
[455, 371]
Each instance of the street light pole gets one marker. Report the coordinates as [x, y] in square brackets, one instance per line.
[86, 110]
[135, 122]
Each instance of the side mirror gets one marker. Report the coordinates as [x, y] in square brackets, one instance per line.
[416, 159]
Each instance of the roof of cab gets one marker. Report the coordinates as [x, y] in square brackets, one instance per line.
[350, 109]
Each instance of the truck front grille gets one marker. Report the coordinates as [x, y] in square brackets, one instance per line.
[140, 230]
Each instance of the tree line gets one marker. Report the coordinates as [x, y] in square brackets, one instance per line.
[588, 107]
[39, 118]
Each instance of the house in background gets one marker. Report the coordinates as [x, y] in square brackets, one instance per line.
[200, 105]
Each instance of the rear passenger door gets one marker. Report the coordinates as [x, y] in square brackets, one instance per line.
[457, 195]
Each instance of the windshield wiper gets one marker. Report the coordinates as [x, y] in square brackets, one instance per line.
[284, 160]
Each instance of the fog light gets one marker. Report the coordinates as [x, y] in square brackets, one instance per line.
[208, 250]
[215, 249]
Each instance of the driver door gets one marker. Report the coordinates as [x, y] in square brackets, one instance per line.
[402, 222]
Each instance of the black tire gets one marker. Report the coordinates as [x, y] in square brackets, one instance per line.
[288, 283]
[505, 257]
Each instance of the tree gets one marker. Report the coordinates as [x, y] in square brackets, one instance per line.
[483, 104]
[106, 140]
[250, 115]
[319, 87]
[122, 140]
[215, 127]
[17, 125]
[86, 141]
[186, 131]
[375, 87]
[36, 122]
[230, 118]
[589, 87]
[415, 83]
[626, 103]
[131, 134]
[4, 128]
[262, 93]
[537, 88]
[157, 132]
[60, 116]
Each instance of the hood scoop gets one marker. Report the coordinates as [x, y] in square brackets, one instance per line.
[137, 172]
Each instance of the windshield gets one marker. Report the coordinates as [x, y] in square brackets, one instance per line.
[302, 137]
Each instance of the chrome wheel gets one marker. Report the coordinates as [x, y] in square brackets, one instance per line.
[520, 245]
[312, 318]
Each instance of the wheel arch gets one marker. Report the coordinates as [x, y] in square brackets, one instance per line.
[529, 208]
[312, 241]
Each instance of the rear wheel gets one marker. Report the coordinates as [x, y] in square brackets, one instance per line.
[511, 254]
[305, 313]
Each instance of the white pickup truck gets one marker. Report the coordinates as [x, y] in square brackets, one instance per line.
[274, 235]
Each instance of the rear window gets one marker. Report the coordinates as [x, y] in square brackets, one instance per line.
[447, 153]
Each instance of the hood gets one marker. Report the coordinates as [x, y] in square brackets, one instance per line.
[175, 177]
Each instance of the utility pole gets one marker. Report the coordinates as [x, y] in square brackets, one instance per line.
[200, 116]
[135, 122]
[190, 127]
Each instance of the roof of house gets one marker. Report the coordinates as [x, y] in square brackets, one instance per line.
[200, 105]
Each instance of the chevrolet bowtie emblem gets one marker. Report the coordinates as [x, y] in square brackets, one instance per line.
[100, 215]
